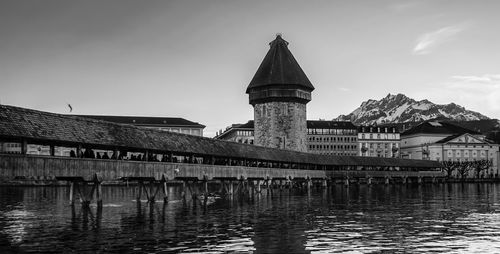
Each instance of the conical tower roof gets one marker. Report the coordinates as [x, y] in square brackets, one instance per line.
[279, 67]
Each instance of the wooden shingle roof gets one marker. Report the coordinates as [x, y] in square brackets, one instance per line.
[49, 128]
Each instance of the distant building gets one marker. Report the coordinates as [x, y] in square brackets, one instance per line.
[323, 137]
[279, 92]
[172, 124]
[442, 141]
[332, 137]
[376, 141]
[240, 133]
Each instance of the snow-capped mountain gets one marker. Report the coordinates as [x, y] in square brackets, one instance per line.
[401, 109]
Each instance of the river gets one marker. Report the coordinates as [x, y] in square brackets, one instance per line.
[440, 218]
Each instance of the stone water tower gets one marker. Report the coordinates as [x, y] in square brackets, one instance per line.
[279, 92]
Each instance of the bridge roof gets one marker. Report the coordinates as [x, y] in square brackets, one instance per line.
[63, 130]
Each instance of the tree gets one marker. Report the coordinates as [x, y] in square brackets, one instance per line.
[482, 165]
[449, 167]
[464, 168]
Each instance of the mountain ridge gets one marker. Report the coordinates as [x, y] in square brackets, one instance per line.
[401, 109]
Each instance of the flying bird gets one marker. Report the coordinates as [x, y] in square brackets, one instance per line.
[70, 108]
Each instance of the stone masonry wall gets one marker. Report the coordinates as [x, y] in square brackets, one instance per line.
[281, 125]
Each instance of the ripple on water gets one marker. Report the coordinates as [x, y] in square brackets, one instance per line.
[380, 219]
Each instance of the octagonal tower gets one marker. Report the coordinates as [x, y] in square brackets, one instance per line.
[279, 92]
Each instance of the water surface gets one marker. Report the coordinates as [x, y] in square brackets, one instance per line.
[441, 218]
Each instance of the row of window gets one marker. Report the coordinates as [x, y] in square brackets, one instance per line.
[12, 145]
[245, 133]
[338, 153]
[195, 132]
[332, 131]
[380, 145]
[332, 147]
[379, 136]
[378, 129]
[332, 139]
[466, 153]
[467, 146]
[382, 155]
[245, 141]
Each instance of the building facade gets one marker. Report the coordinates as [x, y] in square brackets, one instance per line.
[240, 133]
[332, 137]
[323, 137]
[376, 141]
[279, 92]
[442, 141]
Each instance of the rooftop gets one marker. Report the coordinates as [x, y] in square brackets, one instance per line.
[279, 67]
[438, 127]
[321, 124]
[146, 120]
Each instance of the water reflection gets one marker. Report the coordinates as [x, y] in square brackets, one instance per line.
[394, 218]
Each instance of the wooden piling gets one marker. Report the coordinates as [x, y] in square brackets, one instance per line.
[231, 189]
[98, 194]
[183, 190]
[165, 190]
[71, 193]
[259, 182]
[346, 182]
[139, 191]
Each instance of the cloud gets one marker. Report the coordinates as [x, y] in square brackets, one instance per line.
[429, 41]
[487, 79]
[479, 93]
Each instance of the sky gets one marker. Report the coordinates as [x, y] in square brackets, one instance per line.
[194, 59]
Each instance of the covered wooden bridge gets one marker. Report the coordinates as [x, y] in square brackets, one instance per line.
[135, 152]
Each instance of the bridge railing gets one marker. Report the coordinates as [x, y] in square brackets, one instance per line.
[48, 167]
[382, 174]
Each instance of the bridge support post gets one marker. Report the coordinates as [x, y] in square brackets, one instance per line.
[324, 183]
[86, 198]
[139, 191]
[268, 185]
[419, 180]
[259, 182]
[387, 180]
[369, 180]
[205, 190]
[433, 179]
[183, 191]
[404, 179]
[231, 189]
[98, 191]
[346, 182]
[165, 189]
[72, 193]
[309, 184]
